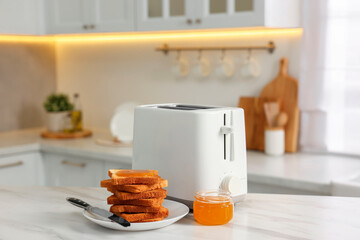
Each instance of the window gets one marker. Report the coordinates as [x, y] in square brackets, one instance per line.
[330, 77]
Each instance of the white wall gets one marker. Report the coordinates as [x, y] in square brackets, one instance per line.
[27, 77]
[108, 73]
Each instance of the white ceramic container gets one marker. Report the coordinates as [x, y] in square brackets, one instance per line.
[274, 141]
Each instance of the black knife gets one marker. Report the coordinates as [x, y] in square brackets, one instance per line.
[98, 211]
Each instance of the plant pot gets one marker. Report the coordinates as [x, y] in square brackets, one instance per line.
[56, 121]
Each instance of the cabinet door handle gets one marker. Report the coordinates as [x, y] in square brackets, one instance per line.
[198, 21]
[14, 164]
[74, 164]
[85, 27]
[92, 26]
[189, 21]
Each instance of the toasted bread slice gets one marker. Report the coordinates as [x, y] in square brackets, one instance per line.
[132, 188]
[136, 217]
[151, 220]
[105, 183]
[133, 209]
[157, 193]
[151, 202]
[132, 173]
[130, 177]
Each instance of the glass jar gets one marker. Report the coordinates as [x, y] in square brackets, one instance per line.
[213, 207]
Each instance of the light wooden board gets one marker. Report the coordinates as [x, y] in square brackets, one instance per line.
[255, 120]
[285, 89]
[61, 135]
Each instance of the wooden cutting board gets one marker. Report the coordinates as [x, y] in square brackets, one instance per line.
[255, 120]
[285, 89]
[62, 135]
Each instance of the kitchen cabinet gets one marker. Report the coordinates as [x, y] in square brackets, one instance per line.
[67, 16]
[21, 17]
[21, 169]
[67, 170]
[87, 16]
[255, 187]
[203, 14]
[90, 16]
[248, 13]
[165, 15]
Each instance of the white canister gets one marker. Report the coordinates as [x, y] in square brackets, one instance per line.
[274, 141]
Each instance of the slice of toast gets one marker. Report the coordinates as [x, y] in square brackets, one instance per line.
[130, 177]
[132, 188]
[136, 217]
[133, 209]
[157, 193]
[151, 202]
[150, 220]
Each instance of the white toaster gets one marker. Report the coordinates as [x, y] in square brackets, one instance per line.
[193, 147]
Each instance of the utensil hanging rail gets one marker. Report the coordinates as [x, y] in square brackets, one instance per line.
[270, 47]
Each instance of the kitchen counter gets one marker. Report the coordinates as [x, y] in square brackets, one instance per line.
[30, 140]
[42, 213]
[304, 171]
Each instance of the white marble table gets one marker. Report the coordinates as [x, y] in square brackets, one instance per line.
[42, 213]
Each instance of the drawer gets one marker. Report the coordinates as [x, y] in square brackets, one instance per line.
[67, 170]
[21, 169]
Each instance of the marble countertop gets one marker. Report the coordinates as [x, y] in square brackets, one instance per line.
[306, 171]
[312, 172]
[30, 140]
[42, 213]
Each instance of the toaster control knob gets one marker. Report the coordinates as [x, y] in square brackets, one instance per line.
[232, 184]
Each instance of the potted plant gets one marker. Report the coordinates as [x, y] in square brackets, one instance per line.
[58, 108]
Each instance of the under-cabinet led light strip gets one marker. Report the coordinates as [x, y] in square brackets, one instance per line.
[140, 36]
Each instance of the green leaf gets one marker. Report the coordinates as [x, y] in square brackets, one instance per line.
[57, 103]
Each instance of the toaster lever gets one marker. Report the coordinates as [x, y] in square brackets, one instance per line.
[229, 130]
[226, 130]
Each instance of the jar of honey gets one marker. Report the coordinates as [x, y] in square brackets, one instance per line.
[213, 207]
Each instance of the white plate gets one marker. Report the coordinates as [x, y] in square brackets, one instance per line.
[122, 122]
[176, 212]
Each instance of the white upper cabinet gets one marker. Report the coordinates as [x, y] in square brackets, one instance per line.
[230, 13]
[21, 17]
[86, 16]
[67, 16]
[203, 14]
[113, 15]
[90, 16]
[248, 13]
[165, 15]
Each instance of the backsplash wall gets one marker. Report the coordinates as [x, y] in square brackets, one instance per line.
[109, 72]
[27, 76]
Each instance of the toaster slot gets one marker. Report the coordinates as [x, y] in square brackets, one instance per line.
[176, 108]
[194, 106]
[184, 107]
[228, 136]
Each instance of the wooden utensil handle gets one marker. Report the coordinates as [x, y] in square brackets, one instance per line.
[283, 66]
